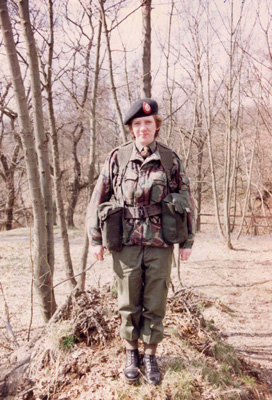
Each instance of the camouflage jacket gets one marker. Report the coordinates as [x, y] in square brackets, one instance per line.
[144, 183]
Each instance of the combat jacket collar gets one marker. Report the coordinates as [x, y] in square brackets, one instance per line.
[135, 155]
[151, 145]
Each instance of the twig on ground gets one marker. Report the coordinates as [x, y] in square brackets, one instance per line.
[7, 320]
[74, 276]
[31, 290]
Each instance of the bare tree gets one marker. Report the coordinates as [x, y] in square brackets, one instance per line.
[55, 150]
[197, 136]
[123, 132]
[9, 161]
[92, 153]
[229, 132]
[43, 274]
[208, 120]
[82, 67]
[8, 173]
[249, 178]
[230, 152]
[40, 136]
[146, 57]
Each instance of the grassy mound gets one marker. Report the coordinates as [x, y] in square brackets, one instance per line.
[81, 356]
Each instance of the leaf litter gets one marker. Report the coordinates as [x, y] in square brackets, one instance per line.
[80, 356]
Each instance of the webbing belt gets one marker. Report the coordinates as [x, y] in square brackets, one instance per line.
[142, 212]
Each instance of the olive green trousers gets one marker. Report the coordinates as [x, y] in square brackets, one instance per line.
[143, 276]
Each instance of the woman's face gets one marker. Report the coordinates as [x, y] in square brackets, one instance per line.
[144, 129]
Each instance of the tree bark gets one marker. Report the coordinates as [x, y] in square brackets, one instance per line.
[199, 184]
[76, 186]
[113, 87]
[42, 273]
[208, 123]
[9, 172]
[40, 136]
[249, 177]
[228, 140]
[146, 57]
[77, 183]
[92, 154]
[230, 151]
[55, 150]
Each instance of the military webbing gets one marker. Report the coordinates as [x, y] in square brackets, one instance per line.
[123, 157]
[141, 212]
[125, 151]
[166, 160]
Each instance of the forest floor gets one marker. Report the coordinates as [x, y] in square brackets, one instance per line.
[238, 284]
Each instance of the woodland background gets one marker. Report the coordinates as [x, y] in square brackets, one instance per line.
[69, 71]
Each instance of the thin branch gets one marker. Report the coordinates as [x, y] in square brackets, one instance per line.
[7, 320]
[74, 276]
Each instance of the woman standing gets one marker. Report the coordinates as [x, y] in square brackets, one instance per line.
[139, 176]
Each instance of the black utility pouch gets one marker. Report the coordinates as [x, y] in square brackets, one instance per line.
[174, 218]
[111, 217]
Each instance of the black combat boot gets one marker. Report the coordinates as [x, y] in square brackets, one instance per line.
[152, 371]
[131, 371]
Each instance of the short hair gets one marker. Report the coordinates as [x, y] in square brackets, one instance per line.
[158, 121]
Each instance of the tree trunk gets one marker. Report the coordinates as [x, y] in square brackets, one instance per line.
[40, 136]
[249, 176]
[234, 178]
[230, 160]
[56, 165]
[170, 83]
[199, 185]
[228, 140]
[9, 180]
[10, 202]
[146, 58]
[113, 88]
[76, 183]
[42, 274]
[208, 122]
[92, 155]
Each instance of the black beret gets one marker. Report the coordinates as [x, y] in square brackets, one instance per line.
[141, 108]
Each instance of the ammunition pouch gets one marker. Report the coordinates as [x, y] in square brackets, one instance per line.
[174, 218]
[111, 224]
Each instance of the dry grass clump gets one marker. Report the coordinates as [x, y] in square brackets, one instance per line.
[81, 356]
[86, 312]
[64, 353]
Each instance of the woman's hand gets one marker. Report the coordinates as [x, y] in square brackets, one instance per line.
[97, 252]
[185, 254]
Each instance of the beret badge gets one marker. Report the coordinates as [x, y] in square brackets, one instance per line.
[146, 108]
[141, 108]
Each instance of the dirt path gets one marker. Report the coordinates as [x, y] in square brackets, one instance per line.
[240, 282]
